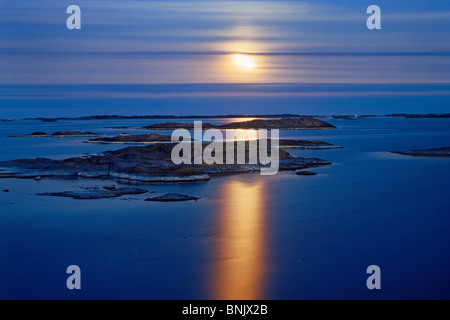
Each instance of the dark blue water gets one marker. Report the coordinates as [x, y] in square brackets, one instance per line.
[250, 236]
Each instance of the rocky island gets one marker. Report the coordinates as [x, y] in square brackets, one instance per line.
[151, 163]
[436, 152]
[305, 173]
[284, 123]
[59, 134]
[305, 144]
[95, 193]
[125, 138]
[170, 197]
[143, 117]
[418, 116]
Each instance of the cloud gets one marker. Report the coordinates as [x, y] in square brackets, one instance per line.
[188, 41]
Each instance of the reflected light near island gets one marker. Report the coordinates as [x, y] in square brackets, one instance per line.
[243, 61]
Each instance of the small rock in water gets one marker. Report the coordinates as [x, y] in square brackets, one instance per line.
[305, 173]
[6, 190]
[38, 178]
[172, 197]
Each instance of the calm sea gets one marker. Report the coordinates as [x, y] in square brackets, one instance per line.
[249, 236]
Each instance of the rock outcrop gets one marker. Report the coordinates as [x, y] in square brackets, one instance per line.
[151, 163]
[58, 134]
[178, 125]
[172, 197]
[305, 144]
[305, 173]
[95, 193]
[284, 123]
[152, 138]
[417, 116]
[125, 138]
[436, 152]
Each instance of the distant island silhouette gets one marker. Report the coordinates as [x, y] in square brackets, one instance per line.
[279, 115]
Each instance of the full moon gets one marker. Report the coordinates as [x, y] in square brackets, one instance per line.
[243, 61]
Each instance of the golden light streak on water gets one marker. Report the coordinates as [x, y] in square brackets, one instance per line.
[239, 267]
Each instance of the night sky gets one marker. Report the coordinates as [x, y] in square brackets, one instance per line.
[221, 57]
